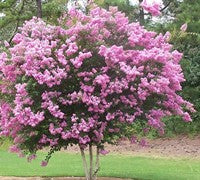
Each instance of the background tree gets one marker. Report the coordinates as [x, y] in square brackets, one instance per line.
[188, 13]
[123, 5]
[16, 12]
[189, 44]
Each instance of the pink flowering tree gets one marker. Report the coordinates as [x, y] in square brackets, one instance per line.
[84, 82]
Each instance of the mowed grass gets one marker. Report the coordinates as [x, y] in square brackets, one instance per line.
[66, 164]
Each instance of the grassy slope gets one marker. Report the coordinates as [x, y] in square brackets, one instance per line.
[64, 164]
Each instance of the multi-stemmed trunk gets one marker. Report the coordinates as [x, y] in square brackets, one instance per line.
[93, 168]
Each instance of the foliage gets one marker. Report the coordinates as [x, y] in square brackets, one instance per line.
[188, 13]
[5, 143]
[187, 42]
[172, 8]
[86, 80]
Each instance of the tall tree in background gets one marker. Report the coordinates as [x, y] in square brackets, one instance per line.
[123, 5]
[17, 11]
[39, 8]
[189, 43]
[170, 7]
[188, 12]
[139, 14]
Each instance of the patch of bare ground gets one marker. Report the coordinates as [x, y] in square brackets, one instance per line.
[178, 147]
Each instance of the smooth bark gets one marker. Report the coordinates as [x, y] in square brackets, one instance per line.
[92, 170]
[96, 164]
[85, 164]
[91, 162]
[39, 8]
[141, 14]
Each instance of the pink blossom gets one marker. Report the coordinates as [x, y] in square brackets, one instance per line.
[151, 7]
[31, 157]
[6, 44]
[187, 117]
[21, 155]
[44, 163]
[103, 152]
[184, 27]
[113, 9]
[17, 38]
[14, 149]
[133, 139]
[143, 142]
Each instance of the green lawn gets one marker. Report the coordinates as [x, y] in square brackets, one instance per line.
[65, 164]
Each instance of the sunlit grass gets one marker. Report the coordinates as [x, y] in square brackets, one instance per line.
[66, 164]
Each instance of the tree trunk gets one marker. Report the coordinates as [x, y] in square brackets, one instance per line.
[128, 2]
[39, 8]
[91, 172]
[141, 15]
[85, 164]
[96, 164]
[91, 162]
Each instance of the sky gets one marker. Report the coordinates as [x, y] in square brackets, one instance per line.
[1, 15]
[134, 2]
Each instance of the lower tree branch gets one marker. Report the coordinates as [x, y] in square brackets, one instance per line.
[165, 6]
[18, 21]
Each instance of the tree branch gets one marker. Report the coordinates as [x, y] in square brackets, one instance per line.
[141, 14]
[165, 6]
[39, 8]
[17, 24]
[162, 8]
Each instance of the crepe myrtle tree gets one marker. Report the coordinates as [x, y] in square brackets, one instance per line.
[84, 82]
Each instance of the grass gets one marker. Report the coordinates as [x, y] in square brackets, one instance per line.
[66, 164]
[5, 143]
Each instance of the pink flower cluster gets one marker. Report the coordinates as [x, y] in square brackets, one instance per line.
[184, 27]
[151, 7]
[83, 81]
